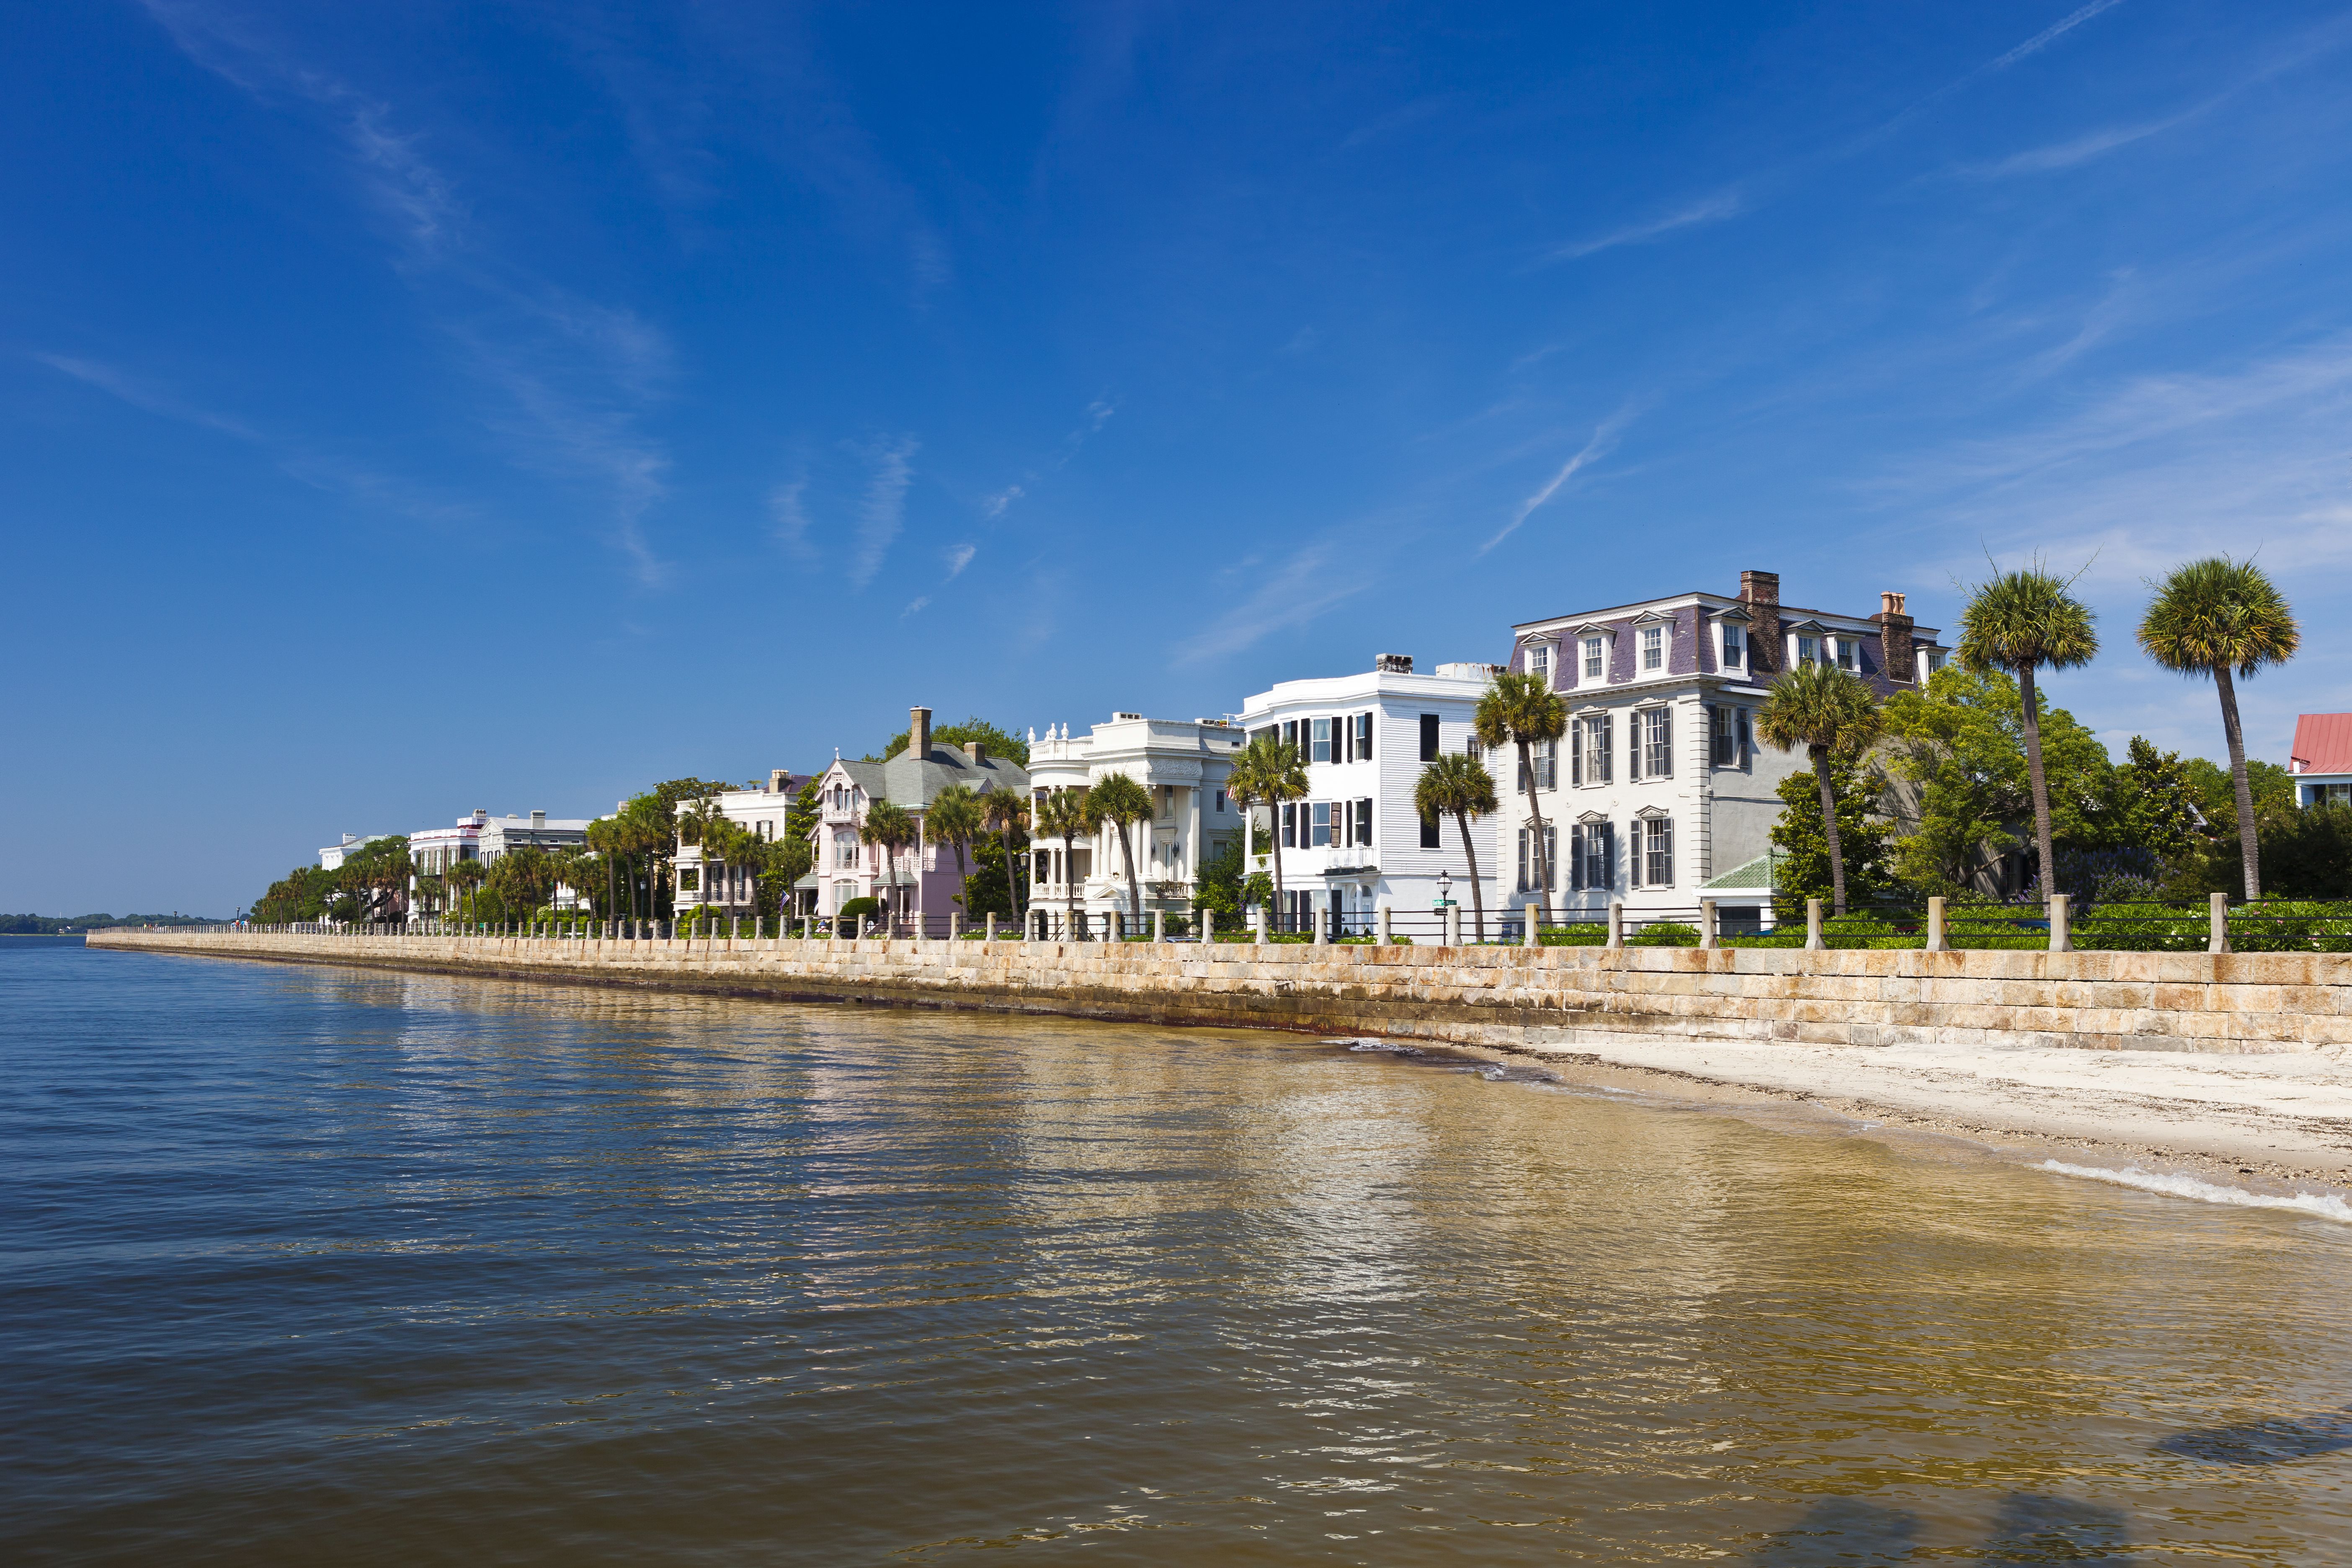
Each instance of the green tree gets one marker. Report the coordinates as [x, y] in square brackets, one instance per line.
[524, 879]
[1961, 742]
[1834, 717]
[2223, 618]
[2019, 621]
[955, 818]
[1064, 813]
[2307, 853]
[1269, 772]
[2159, 802]
[1007, 815]
[1219, 887]
[1804, 864]
[1524, 710]
[889, 827]
[1458, 785]
[1122, 803]
[998, 740]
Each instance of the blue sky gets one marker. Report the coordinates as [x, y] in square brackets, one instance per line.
[413, 408]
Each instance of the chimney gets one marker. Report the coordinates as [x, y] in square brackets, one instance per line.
[1760, 592]
[976, 751]
[778, 780]
[481, 814]
[919, 733]
[1895, 639]
[539, 819]
[1394, 664]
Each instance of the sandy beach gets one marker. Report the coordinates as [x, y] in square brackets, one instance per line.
[2271, 1123]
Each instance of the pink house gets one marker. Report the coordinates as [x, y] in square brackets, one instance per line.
[920, 884]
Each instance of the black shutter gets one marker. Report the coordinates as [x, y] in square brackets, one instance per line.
[1429, 737]
[1576, 858]
[1364, 738]
[1364, 820]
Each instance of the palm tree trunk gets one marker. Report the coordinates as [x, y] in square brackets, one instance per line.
[1830, 828]
[1134, 892]
[2040, 780]
[1274, 842]
[1478, 894]
[2249, 852]
[1535, 816]
[1012, 878]
[1069, 889]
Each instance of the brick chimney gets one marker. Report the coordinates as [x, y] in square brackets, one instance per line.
[780, 780]
[1760, 592]
[976, 751]
[919, 733]
[1894, 638]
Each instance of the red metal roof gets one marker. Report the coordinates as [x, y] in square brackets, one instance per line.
[2323, 744]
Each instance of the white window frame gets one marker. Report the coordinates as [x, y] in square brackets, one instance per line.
[1596, 657]
[1734, 646]
[1653, 649]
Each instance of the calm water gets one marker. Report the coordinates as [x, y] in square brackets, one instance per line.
[305, 1266]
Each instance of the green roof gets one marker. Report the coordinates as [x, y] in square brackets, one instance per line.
[1754, 876]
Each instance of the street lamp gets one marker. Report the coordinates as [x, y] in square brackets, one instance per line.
[1444, 886]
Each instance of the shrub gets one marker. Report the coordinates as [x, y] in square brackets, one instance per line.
[855, 911]
[1665, 933]
[1583, 934]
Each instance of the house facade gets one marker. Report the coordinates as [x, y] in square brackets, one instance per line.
[479, 835]
[1660, 792]
[1182, 764]
[920, 883]
[1357, 842]
[333, 856]
[708, 880]
[2321, 759]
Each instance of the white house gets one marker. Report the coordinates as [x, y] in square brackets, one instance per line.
[1357, 842]
[764, 810]
[479, 835]
[1182, 764]
[333, 856]
[1659, 793]
[2321, 759]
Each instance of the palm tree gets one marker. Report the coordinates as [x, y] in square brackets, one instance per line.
[1064, 813]
[1522, 710]
[1269, 772]
[954, 819]
[1832, 714]
[2018, 621]
[1006, 813]
[1121, 802]
[2212, 618]
[1458, 785]
[888, 827]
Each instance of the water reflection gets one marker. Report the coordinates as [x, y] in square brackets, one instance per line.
[305, 1264]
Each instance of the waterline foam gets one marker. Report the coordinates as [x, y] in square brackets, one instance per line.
[2326, 1206]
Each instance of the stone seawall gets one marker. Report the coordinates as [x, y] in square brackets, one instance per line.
[1511, 997]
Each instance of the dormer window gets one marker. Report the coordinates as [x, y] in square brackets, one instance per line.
[1540, 661]
[1809, 649]
[1596, 660]
[1654, 647]
[1734, 647]
[1846, 653]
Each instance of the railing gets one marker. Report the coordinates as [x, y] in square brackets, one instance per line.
[2273, 925]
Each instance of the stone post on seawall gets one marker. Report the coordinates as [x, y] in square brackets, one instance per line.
[1935, 942]
[1813, 943]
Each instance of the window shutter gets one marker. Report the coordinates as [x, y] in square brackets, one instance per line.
[1667, 844]
[1523, 859]
[1634, 857]
[1364, 820]
[1666, 746]
[1576, 858]
[1632, 746]
[1363, 737]
[1747, 745]
[1551, 857]
[1575, 751]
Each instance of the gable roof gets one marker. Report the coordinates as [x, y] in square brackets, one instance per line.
[905, 782]
[2322, 742]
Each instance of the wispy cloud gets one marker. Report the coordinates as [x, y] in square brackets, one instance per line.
[2052, 34]
[1099, 414]
[1605, 441]
[2068, 154]
[992, 507]
[915, 605]
[571, 375]
[882, 511]
[143, 395]
[792, 518]
[1722, 204]
[959, 558]
[1315, 578]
